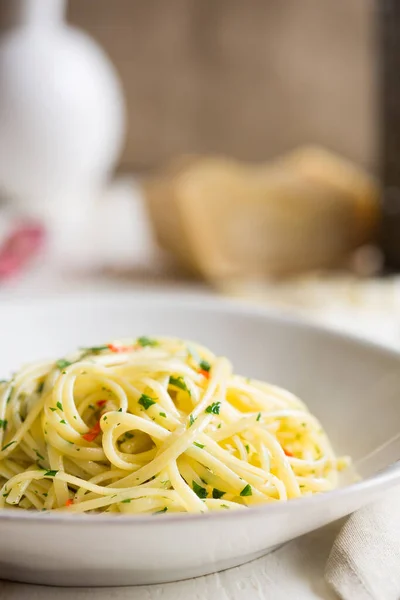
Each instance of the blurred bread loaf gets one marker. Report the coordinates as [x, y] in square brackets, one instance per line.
[225, 219]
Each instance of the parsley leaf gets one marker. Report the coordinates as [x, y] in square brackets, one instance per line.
[162, 414]
[258, 417]
[163, 510]
[50, 474]
[217, 493]
[39, 455]
[198, 445]
[205, 365]
[62, 363]
[247, 448]
[191, 420]
[63, 422]
[179, 382]
[246, 491]
[94, 349]
[126, 501]
[200, 491]
[60, 406]
[8, 445]
[146, 341]
[3, 424]
[146, 401]
[214, 408]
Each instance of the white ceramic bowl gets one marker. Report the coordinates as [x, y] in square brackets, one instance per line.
[352, 386]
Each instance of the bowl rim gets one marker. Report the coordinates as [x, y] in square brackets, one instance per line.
[384, 479]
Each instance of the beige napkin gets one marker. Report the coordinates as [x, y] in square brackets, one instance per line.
[364, 563]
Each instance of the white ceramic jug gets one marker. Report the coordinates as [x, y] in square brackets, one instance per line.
[61, 115]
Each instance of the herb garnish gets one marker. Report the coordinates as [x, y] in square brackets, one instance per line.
[63, 422]
[146, 341]
[198, 445]
[94, 349]
[246, 491]
[38, 454]
[50, 474]
[179, 382]
[214, 408]
[126, 501]
[205, 365]
[191, 420]
[40, 387]
[162, 414]
[217, 494]
[146, 401]
[200, 491]
[128, 435]
[3, 424]
[258, 417]
[8, 445]
[60, 406]
[158, 512]
[62, 363]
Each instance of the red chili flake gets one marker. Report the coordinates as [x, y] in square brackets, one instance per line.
[118, 349]
[69, 502]
[205, 373]
[287, 452]
[101, 402]
[93, 433]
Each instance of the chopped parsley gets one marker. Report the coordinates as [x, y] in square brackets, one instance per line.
[162, 414]
[39, 455]
[163, 510]
[246, 491]
[219, 426]
[214, 408]
[199, 491]
[60, 406]
[50, 474]
[8, 445]
[258, 417]
[146, 341]
[247, 448]
[91, 406]
[63, 422]
[205, 365]
[94, 349]
[119, 410]
[126, 501]
[52, 408]
[191, 420]
[179, 382]
[198, 445]
[146, 401]
[217, 494]
[128, 435]
[62, 363]
[3, 424]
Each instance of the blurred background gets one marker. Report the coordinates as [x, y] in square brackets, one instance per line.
[247, 149]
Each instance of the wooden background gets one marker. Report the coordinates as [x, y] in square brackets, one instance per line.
[250, 78]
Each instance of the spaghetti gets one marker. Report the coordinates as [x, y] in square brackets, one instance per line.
[154, 426]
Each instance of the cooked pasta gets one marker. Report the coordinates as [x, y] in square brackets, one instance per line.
[151, 426]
